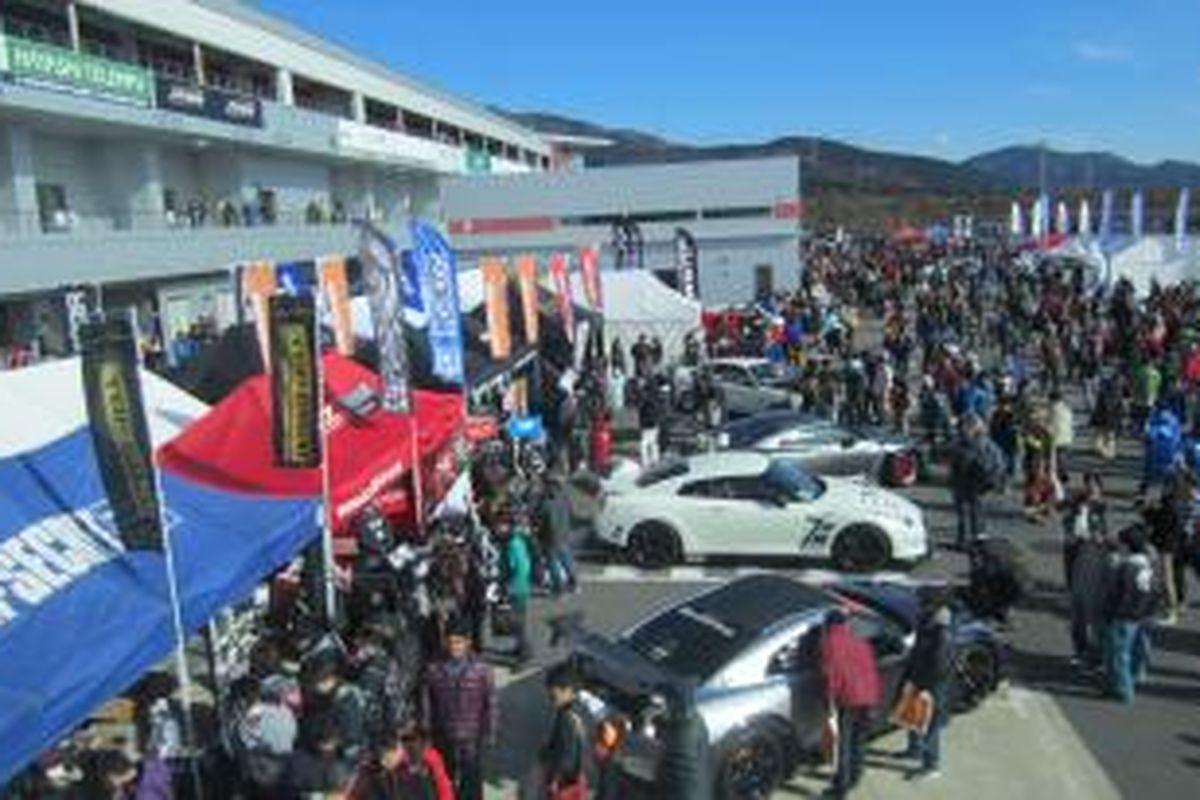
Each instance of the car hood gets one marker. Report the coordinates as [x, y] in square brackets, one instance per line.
[856, 495]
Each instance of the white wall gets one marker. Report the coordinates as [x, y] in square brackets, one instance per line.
[296, 183]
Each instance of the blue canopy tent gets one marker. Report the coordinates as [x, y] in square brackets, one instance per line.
[80, 618]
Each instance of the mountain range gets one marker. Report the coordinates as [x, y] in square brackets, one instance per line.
[895, 184]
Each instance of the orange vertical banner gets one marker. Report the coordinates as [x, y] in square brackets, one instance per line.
[527, 279]
[495, 293]
[562, 296]
[589, 270]
[258, 285]
[336, 287]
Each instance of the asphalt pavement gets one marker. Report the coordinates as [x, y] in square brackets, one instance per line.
[1049, 733]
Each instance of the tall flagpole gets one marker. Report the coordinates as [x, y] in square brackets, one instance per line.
[182, 670]
[328, 584]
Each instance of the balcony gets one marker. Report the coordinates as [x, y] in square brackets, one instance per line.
[82, 249]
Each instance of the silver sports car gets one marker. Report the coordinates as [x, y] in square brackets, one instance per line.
[750, 649]
[825, 447]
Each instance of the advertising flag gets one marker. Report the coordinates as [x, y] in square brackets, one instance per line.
[495, 293]
[437, 277]
[336, 287]
[1107, 201]
[1016, 225]
[562, 294]
[1181, 219]
[527, 281]
[258, 284]
[1137, 212]
[381, 276]
[295, 391]
[117, 419]
[589, 270]
[1085, 218]
[686, 263]
[1063, 221]
[1039, 217]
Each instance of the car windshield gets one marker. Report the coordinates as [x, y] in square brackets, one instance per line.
[795, 482]
[767, 372]
[752, 429]
[663, 470]
[687, 641]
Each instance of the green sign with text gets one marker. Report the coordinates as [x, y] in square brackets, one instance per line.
[52, 67]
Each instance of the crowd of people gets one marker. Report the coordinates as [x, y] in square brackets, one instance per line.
[992, 360]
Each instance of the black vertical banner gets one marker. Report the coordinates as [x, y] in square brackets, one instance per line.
[296, 416]
[120, 434]
[686, 264]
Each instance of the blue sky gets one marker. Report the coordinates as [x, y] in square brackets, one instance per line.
[932, 76]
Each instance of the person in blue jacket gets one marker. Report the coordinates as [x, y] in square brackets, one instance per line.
[1163, 442]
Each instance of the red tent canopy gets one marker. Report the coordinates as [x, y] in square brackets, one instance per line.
[231, 446]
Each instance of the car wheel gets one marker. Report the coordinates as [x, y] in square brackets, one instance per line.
[900, 469]
[976, 675]
[861, 548]
[753, 766]
[653, 545]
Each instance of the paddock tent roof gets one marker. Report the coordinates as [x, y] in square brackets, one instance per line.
[81, 618]
[636, 302]
[1155, 258]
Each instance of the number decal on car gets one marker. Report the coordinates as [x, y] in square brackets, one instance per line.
[817, 535]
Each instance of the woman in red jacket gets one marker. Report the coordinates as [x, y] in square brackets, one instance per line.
[408, 768]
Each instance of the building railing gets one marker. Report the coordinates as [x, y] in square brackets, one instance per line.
[69, 223]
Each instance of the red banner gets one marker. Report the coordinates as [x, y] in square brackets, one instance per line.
[527, 279]
[562, 295]
[589, 268]
[495, 293]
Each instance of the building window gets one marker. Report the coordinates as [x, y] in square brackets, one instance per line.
[473, 140]
[381, 115]
[495, 147]
[512, 152]
[737, 212]
[449, 134]
[53, 212]
[649, 217]
[545, 162]
[417, 124]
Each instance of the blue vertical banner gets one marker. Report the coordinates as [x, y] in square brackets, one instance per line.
[1181, 219]
[437, 276]
[1137, 215]
[1106, 216]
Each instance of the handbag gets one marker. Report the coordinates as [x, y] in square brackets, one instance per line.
[914, 709]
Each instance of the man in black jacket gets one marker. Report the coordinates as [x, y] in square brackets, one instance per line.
[563, 755]
[929, 670]
[968, 483]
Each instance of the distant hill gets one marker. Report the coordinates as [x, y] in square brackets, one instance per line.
[1020, 166]
[846, 184]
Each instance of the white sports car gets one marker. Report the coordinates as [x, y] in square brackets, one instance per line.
[754, 504]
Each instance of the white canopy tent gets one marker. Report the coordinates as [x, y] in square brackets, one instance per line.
[1154, 258]
[636, 303]
[44, 403]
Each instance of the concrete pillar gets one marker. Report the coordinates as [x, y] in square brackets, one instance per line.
[22, 188]
[358, 107]
[73, 24]
[135, 186]
[284, 91]
[198, 64]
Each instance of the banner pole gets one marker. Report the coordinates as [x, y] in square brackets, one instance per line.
[327, 560]
[181, 664]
